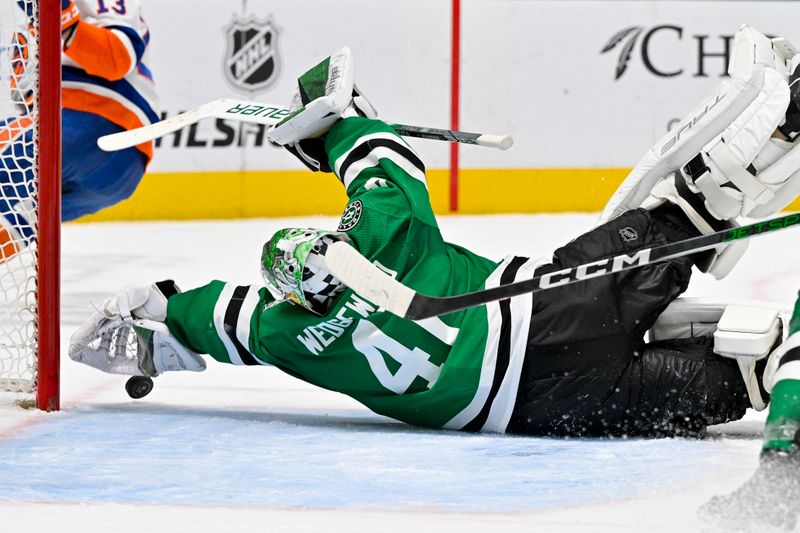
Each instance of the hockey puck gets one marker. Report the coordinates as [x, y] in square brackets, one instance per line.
[138, 387]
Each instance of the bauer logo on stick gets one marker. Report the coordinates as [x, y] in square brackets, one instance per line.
[252, 62]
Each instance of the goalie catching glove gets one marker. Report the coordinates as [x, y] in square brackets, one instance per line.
[128, 335]
[324, 94]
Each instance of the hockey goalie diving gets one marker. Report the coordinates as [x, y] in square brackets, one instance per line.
[302, 391]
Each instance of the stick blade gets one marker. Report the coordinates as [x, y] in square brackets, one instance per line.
[355, 271]
[134, 137]
[117, 141]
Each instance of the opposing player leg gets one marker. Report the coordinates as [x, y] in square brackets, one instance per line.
[93, 179]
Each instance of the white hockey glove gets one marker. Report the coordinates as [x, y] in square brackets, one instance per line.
[324, 94]
[721, 162]
[128, 335]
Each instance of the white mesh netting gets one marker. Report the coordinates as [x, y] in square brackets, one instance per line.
[18, 79]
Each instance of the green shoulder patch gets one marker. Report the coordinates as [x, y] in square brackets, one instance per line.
[351, 216]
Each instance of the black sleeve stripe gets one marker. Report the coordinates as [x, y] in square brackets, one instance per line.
[790, 356]
[363, 150]
[232, 318]
[503, 347]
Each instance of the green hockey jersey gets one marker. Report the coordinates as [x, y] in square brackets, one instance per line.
[458, 371]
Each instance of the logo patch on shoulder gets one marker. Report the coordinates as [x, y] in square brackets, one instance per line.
[351, 216]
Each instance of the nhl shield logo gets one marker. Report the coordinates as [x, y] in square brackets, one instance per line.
[251, 61]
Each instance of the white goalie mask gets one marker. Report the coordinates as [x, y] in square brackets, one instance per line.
[294, 269]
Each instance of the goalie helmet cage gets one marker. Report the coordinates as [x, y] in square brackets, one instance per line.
[31, 143]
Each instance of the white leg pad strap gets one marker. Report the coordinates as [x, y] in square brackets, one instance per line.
[725, 257]
[782, 178]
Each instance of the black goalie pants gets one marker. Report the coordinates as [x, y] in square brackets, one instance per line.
[588, 370]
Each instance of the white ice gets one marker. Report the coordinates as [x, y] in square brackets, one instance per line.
[252, 449]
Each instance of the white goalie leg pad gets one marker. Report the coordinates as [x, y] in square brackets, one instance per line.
[778, 164]
[744, 110]
[728, 157]
[744, 330]
[708, 153]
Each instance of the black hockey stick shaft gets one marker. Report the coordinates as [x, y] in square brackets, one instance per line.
[502, 142]
[437, 134]
[423, 306]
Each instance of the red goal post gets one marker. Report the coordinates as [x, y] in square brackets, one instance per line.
[48, 165]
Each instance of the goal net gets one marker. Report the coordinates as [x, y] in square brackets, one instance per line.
[29, 191]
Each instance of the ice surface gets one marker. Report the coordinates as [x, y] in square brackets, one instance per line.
[251, 449]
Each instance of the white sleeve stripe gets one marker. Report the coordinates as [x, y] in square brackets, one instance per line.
[219, 323]
[521, 310]
[494, 321]
[502, 405]
[790, 370]
[129, 47]
[337, 165]
[243, 323]
[373, 160]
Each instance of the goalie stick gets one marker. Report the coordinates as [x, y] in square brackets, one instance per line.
[355, 271]
[269, 114]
